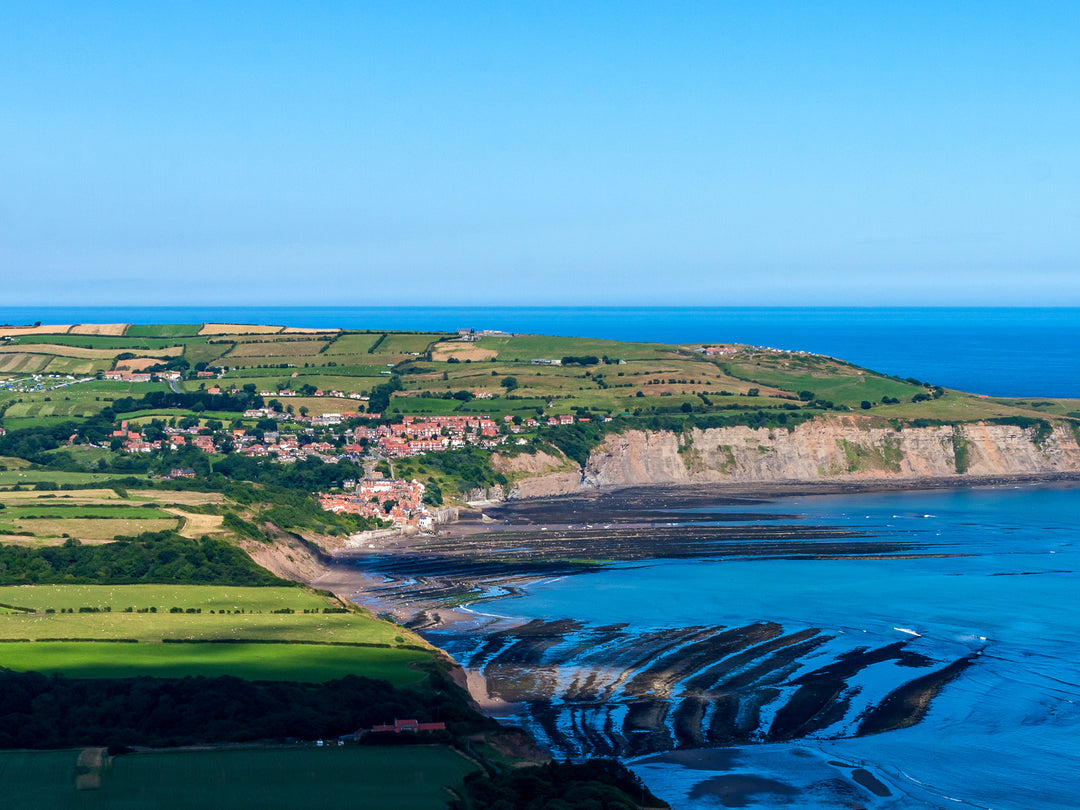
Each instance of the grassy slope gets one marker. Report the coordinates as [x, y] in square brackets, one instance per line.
[320, 649]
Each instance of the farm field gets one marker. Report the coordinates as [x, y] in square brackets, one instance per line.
[163, 330]
[33, 517]
[252, 661]
[250, 352]
[10, 478]
[529, 347]
[118, 597]
[407, 343]
[352, 344]
[405, 778]
[99, 329]
[238, 329]
[66, 350]
[223, 629]
[117, 342]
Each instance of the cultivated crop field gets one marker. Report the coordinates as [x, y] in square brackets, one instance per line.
[238, 329]
[409, 778]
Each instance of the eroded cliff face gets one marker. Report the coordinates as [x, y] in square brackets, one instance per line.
[839, 448]
[538, 475]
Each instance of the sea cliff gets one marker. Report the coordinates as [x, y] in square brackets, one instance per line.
[838, 448]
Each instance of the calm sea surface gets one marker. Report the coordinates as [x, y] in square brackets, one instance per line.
[1002, 352]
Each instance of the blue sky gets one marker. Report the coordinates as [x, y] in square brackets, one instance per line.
[540, 153]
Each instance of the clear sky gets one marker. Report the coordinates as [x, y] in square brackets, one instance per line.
[713, 153]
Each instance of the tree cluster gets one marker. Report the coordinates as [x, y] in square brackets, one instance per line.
[597, 784]
[153, 557]
[37, 711]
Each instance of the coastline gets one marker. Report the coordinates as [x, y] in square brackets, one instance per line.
[442, 597]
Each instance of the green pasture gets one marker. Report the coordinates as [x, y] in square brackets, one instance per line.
[81, 399]
[118, 597]
[142, 417]
[303, 647]
[77, 367]
[225, 624]
[257, 662]
[407, 343]
[847, 389]
[22, 422]
[239, 614]
[163, 330]
[58, 509]
[529, 347]
[422, 406]
[121, 343]
[207, 352]
[352, 344]
[330, 380]
[272, 351]
[405, 778]
[10, 478]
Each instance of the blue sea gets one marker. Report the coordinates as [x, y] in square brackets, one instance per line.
[1016, 352]
[1002, 582]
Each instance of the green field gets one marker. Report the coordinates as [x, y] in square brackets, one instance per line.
[257, 662]
[83, 399]
[409, 778]
[9, 478]
[303, 649]
[206, 352]
[125, 343]
[843, 386]
[163, 330]
[316, 661]
[58, 509]
[351, 345]
[529, 347]
[118, 597]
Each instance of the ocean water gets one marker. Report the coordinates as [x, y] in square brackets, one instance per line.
[1004, 734]
[1021, 352]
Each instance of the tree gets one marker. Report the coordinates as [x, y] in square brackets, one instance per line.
[509, 383]
[866, 405]
[687, 407]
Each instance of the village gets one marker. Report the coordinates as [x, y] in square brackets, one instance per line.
[392, 499]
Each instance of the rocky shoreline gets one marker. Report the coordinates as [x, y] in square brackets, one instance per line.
[587, 690]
